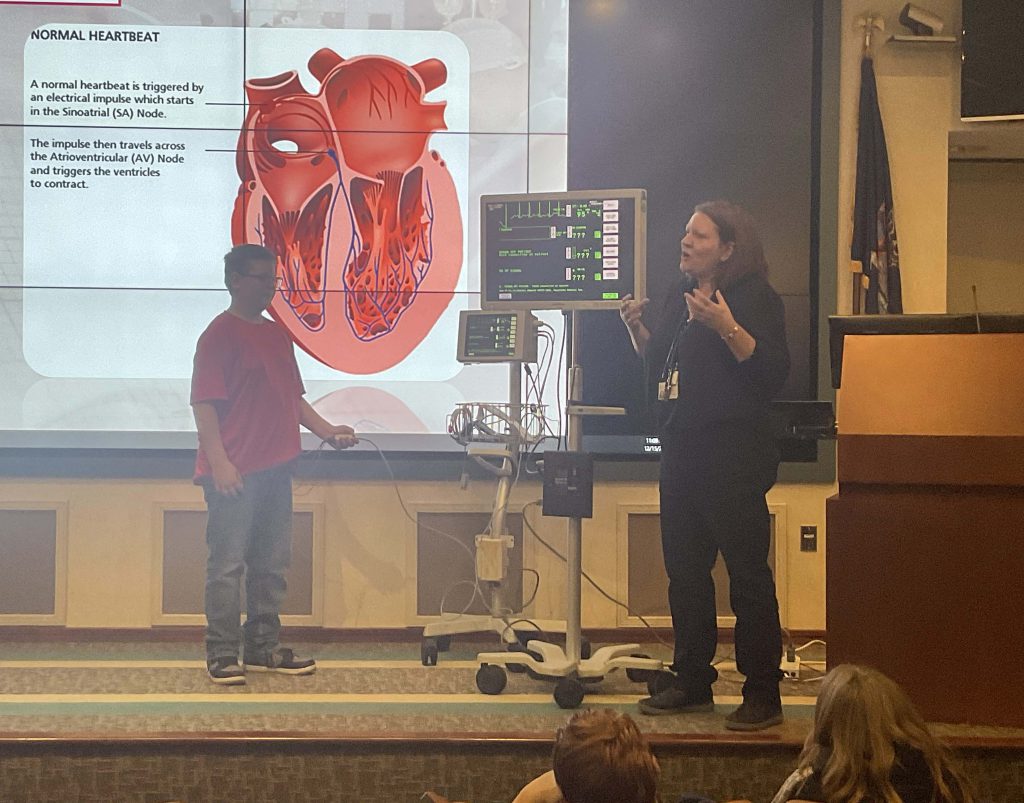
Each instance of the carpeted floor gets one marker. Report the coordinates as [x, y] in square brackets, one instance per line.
[120, 688]
[141, 721]
[113, 688]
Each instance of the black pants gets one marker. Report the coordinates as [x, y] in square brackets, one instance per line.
[703, 513]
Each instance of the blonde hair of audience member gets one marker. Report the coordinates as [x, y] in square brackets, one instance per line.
[600, 756]
[859, 718]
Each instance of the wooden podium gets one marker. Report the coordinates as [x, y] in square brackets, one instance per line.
[925, 539]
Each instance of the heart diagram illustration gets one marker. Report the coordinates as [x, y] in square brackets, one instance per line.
[362, 215]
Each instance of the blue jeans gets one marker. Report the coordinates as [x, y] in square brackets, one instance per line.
[248, 534]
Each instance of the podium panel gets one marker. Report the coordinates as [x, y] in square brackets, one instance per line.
[932, 385]
[922, 584]
[923, 554]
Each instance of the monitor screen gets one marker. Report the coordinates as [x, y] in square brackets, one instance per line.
[568, 250]
[496, 337]
[992, 74]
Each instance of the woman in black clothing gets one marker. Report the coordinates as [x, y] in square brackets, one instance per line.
[870, 743]
[717, 356]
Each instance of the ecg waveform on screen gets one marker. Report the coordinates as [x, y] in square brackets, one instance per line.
[560, 249]
[522, 224]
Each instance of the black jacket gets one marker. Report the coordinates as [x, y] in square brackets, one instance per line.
[721, 418]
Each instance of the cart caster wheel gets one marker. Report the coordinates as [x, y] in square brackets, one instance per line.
[662, 680]
[640, 675]
[569, 693]
[428, 652]
[444, 643]
[491, 679]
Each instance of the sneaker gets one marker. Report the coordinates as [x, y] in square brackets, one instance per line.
[225, 671]
[754, 716]
[675, 700]
[283, 661]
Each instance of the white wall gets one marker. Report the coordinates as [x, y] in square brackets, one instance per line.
[986, 236]
[369, 572]
[917, 88]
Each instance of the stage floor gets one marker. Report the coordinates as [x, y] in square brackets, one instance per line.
[361, 690]
[116, 689]
[140, 721]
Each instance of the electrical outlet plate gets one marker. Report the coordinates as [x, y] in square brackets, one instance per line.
[791, 669]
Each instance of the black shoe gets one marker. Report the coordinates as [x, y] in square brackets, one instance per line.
[225, 671]
[281, 660]
[675, 700]
[754, 716]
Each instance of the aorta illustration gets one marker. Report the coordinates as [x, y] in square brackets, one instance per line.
[362, 215]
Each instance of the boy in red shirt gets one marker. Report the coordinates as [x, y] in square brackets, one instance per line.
[247, 397]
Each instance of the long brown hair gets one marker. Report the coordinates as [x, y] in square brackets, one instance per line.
[735, 225]
[601, 757]
[860, 717]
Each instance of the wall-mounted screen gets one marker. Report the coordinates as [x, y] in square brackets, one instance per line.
[570, 250]
[140, 140]
[992, 72]
[681, 116]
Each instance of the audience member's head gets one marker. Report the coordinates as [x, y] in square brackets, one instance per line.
[864, 727]
[601, 757]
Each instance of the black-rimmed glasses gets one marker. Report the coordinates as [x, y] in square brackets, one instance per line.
[265, 278]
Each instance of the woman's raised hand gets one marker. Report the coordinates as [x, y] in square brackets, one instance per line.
[715, 315]
[631, 311]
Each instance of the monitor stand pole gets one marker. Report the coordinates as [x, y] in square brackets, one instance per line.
[500, 619]
[550, 660]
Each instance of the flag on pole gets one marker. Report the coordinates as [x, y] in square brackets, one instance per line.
[874, 227]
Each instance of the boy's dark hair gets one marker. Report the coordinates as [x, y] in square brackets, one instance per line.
[241, 256]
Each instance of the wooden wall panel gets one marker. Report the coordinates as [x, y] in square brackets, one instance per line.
[28, 562]
[924, 584]
[184, 564]
[445, 570]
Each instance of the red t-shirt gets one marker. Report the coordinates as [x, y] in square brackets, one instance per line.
[248, 372]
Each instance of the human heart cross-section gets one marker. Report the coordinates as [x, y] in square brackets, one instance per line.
[362, 215]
